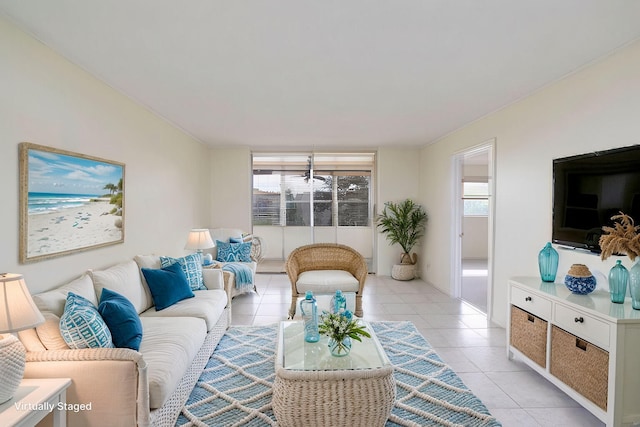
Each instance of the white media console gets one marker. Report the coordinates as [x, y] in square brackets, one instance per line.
[586, 345]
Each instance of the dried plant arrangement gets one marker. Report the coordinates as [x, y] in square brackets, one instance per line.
[622, 238]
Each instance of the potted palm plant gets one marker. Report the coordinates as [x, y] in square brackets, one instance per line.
[403, 223]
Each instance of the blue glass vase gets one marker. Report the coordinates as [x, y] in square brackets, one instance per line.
[618, 278]
[309, 311]
[634, 285]
[338, 302]
[548, 263]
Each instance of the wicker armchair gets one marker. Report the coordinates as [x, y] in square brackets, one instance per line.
[326, 256]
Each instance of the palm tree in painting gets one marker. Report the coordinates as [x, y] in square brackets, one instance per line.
[116, 199]
[112, 188]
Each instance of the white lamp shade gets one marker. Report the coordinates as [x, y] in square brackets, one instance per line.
[17, 309]
[199, 238]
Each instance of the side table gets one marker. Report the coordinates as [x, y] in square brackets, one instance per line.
[34, 400]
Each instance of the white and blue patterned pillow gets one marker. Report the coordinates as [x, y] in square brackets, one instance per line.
[233, 252]
[81, 326]
[192, 268]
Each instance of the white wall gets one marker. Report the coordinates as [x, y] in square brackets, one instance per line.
[398, 178]
[48, 101]
[594, 109]
[230, 189]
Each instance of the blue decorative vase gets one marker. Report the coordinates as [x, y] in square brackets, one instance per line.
[634, 285]
[579, 279]
[548, 263]
[340, 349]
[309, 311]
[338, 302]
[618, 278]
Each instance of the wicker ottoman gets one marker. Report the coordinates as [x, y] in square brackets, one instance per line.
[312, 387]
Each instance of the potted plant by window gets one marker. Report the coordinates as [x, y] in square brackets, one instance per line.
[403, 223]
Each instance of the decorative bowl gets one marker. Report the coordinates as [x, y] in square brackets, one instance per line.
[579, 280]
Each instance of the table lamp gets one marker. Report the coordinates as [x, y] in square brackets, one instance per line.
[199, 239]
[17, 312]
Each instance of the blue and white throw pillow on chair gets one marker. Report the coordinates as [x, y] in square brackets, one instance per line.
[233, 252]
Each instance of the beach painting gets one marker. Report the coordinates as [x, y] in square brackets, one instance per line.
[68, 201]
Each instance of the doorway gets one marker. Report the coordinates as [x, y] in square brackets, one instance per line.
[474, 225]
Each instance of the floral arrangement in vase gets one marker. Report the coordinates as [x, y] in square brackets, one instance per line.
[341, 328]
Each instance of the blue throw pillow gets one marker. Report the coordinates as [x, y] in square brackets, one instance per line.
[122, 319]
[233, 252]
[192, 268]
[81, 326]
[167, 285]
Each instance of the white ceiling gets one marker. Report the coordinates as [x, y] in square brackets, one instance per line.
[331, 73]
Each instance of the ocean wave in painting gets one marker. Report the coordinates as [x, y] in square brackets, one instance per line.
[42, 203]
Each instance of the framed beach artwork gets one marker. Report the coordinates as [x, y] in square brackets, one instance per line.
[69, 202]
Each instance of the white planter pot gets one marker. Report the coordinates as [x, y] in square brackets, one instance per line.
[403, 271]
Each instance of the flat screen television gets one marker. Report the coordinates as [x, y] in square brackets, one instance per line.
[589, 189]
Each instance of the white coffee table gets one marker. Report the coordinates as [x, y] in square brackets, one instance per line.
[312, 387]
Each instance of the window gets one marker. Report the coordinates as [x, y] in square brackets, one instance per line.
[353, 199]
[475, 197]
[287, 188]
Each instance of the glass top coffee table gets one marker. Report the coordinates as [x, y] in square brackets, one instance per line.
[312, 387]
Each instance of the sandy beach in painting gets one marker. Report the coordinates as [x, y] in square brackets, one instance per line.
[72, 228]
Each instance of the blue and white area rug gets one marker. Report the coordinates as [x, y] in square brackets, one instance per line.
[235, 387]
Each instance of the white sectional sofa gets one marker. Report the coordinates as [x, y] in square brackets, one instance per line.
[125, 387]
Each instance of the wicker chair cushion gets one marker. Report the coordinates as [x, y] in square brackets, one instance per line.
[327, 281]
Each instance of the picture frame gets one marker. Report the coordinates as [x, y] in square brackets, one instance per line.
[69, 202]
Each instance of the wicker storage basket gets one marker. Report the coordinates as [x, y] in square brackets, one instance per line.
[529, 335]
[581, 365]
[403, 271]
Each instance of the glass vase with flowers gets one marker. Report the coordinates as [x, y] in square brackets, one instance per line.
[341, 328]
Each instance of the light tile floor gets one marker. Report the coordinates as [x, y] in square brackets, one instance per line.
[514, 393]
